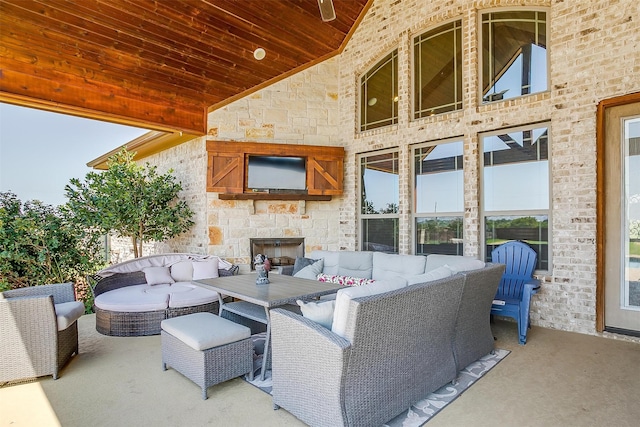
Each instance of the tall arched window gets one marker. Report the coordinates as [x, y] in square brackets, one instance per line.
[514, 54]
[379, 94]
[437, 80]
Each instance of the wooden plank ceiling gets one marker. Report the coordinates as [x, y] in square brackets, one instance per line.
[160, 64]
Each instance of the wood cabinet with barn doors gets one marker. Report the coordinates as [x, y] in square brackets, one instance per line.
[316, 172]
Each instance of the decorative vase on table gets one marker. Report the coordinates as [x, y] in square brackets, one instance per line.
[263, 273]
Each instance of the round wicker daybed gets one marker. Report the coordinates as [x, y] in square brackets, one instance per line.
[132, 298]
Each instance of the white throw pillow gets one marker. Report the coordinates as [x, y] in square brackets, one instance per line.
[311, 271]
[344, 296]
[206, 269]
[157, 275]
[319, 312]
[182, 271]
[435, 274]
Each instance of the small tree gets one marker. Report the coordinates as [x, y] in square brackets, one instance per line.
[131, 201]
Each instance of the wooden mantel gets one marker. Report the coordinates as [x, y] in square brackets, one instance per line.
[227, 169]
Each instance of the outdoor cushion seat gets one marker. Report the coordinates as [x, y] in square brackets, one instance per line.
[132, 299]
[201, 331]
[186, 294]
[206, 348]
[67, 313]
[139, 298]
[386, 266]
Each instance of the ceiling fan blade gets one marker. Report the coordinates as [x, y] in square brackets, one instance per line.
[327, 11]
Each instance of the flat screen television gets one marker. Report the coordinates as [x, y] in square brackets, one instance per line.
[276, 173]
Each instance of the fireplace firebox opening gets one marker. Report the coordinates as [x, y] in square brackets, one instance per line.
[280, 251]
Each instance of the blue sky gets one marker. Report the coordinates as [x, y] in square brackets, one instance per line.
[41, 151]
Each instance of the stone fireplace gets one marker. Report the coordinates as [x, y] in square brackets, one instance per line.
[280, 251]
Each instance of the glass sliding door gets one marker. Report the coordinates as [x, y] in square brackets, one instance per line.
[621, 224]
[630, 293]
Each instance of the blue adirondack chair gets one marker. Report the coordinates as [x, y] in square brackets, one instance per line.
[517, 284]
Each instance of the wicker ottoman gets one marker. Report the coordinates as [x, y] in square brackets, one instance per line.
[206, 348]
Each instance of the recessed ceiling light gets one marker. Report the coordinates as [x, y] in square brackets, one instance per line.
[372, 102]
[259, 54]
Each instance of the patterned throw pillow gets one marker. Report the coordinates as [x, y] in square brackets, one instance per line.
[344, 280]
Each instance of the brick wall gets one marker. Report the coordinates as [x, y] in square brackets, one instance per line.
[594, 55]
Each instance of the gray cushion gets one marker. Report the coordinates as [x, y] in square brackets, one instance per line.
[67, 313]
[202, 331]
[186, 294]
[320, 312]
[311, 271]
[356, 263]
[205, 269]
[135, 298]
[182, 271]
[391, 265]
[454, 262]
[157, 275]
[435, 274]
[331, 260]
[344, 297]
[301, 263]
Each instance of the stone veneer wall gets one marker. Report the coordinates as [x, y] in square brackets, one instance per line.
[302, 109]
[594, 55]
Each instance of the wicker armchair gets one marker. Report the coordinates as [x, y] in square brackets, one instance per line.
[38, 330]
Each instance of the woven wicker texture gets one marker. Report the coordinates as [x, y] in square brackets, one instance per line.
[208, 367]
[355, 382]
[31, 345]
[133, 324]
[473, 336]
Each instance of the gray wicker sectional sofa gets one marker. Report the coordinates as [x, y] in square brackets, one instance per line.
[388, 346]
[132, 298]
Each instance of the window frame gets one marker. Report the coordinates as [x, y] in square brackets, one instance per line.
[394, 119]
[415, 215]
[481, 14]
[414, 67]
[361, 217]
[483, 213]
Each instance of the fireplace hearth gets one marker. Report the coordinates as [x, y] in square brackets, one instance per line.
[280, 251]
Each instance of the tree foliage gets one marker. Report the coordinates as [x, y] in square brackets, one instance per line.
[130, 200]
[40, 244]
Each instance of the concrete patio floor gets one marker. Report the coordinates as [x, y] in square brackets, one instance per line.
[557, 379]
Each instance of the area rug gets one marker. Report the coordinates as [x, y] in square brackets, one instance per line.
[428, 407]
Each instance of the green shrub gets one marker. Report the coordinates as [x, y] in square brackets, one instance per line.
[40, 244]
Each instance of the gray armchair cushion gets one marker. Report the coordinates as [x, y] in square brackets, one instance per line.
[67, 313]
